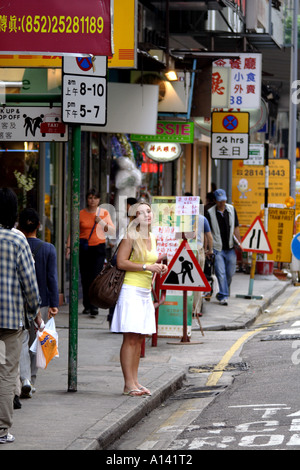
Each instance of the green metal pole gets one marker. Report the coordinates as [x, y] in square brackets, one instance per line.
[74, 259]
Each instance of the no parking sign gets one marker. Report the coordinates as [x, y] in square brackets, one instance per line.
[230, 135]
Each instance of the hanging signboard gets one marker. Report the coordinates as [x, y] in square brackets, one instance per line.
[56, 27]
[242, 83]
[125, 35]
[32, 123]
[181, 132]
[163, 153]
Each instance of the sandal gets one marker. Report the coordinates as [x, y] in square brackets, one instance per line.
[134, 393]
[145, 390]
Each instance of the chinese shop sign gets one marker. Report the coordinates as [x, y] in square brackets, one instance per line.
[169, 131]
[163, 152]
[57, 27]
[237, 80]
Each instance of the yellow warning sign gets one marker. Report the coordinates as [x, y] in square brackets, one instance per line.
[280, 233]
[227, 122]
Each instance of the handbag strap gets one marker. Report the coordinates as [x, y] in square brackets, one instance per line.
[115, 252]
[93, 226]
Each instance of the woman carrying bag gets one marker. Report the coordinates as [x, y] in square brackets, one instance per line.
[134, 315]
[94, 224]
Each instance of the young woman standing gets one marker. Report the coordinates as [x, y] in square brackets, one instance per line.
[134, 315]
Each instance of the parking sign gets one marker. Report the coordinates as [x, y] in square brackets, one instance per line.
[84, 90]
[230, 135]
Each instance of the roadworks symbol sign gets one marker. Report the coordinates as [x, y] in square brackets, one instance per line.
[185, 272]
[256, 239]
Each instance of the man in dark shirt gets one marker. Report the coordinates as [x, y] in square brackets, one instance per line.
[46, 271]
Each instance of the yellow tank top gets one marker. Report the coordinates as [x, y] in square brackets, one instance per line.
[142, 278]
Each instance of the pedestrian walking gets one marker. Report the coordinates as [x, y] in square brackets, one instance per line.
[94, 224]
[223, 220]
[134, 315]
[45, 259]
[204, 248]
[18, 287]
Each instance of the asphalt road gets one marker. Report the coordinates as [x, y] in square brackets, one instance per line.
[259, 409]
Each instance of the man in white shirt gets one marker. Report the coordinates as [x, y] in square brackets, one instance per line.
[223, 220]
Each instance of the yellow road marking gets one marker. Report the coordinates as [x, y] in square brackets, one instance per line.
[219, 369]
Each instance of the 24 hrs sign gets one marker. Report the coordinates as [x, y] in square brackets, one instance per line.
[230, 135]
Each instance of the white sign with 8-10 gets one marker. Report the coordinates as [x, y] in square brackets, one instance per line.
[84, 100]
[84, 90]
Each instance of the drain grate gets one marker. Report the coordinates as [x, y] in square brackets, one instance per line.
[242, 366]
[197, 392]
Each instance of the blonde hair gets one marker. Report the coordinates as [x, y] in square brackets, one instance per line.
[139, 246]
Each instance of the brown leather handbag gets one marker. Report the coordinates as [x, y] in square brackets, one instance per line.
[105, 289]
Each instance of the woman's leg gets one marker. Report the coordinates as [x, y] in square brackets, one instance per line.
[130, 359]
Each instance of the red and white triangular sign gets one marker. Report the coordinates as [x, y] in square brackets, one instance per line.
[256, 239]
[184, 272]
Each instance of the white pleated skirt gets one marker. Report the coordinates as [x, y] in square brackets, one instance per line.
[134, 311]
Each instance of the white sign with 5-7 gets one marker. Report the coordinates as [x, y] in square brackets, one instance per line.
[84, 100]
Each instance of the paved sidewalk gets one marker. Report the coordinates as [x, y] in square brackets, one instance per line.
[97, 414]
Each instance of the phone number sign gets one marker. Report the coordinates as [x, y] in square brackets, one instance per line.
[57, 27]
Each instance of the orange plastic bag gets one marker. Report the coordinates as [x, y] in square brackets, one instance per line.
[46, 346]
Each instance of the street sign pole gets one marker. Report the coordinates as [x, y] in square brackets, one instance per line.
[251, 282]
[84, 101]
[74, 260]
[185, 340]
[255, 241]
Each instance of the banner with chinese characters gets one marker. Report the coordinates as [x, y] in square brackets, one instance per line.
[238, 81]
[56, 27]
